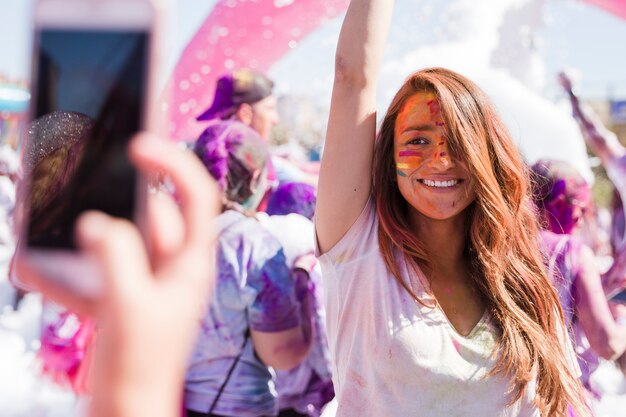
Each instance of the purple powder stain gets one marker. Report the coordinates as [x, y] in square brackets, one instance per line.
[409, 153]
[442, 154]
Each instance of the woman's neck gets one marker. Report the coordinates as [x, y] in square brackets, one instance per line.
[445, 240]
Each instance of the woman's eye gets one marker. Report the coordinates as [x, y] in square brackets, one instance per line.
[418, 141]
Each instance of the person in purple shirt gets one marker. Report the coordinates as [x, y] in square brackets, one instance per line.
[562, 196]
[258, 317]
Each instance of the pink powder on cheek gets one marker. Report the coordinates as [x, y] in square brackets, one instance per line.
[409, 153]
[408, 161]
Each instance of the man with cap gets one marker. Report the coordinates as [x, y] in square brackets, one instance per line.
[247, 96]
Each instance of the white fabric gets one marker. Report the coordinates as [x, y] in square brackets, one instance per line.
[293, 231]
[393, 357]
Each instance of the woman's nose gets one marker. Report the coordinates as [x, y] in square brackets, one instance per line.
[442, 158]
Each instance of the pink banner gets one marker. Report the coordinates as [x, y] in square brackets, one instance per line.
[238, 33]
[617, 7]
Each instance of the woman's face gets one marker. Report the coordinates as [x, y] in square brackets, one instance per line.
[434, 182]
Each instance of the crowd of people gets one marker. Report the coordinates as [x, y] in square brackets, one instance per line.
[428, 271]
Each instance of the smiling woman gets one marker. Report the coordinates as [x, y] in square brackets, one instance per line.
[428, 246]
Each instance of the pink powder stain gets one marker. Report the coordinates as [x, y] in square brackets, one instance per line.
[409, 153]
[442, 154]
[358, 379]
[433, 105]
[440, 124]
[457, 346]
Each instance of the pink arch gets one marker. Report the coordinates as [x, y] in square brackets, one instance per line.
[617, 7]
[238, 33]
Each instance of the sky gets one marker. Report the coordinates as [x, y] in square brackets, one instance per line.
[573, 34]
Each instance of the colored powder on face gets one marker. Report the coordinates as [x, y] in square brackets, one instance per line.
[409, 153]
[442, 154]
[433, 105]
[401, 174]
[409, 162]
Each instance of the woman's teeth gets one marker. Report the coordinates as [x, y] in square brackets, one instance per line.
[440, 184]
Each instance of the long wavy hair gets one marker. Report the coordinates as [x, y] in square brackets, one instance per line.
[501, 238]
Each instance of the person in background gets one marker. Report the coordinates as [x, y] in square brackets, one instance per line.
[562, 196]
[147, 279]
[605, 145]
[306, 389]
[247, 96]
[260, 316]
[437, 299]
[55, 145]
[612, 154]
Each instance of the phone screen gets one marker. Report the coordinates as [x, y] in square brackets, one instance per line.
[620, 297]
[89, 100]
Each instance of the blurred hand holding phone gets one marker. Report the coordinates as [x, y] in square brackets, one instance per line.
[619, 297]
[93, 89]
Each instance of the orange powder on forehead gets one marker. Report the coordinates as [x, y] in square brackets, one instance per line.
[416, 111]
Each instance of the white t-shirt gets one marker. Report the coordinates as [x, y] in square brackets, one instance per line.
[393, 357]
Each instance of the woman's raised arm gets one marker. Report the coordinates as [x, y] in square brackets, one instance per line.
[345, 175]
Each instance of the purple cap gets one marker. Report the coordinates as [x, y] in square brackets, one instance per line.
[234, 89]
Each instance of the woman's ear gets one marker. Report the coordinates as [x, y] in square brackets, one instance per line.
[244, 113]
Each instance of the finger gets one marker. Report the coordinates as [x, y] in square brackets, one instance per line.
[119, 249]
[166, 230]
[197, 192]
[51, 289]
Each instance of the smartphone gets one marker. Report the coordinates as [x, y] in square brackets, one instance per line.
[620, 297]
[93, 73]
